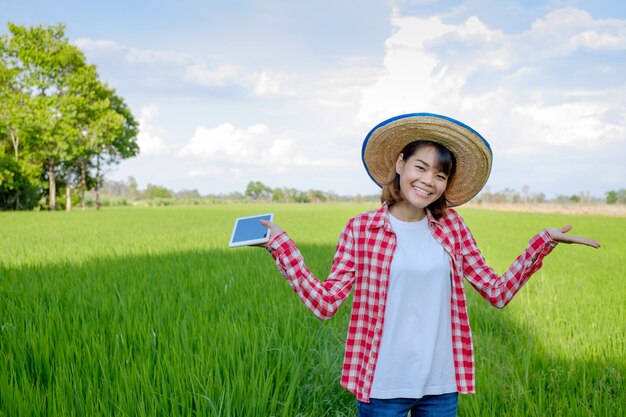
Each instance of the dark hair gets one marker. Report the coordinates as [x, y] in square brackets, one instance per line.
[446, 163]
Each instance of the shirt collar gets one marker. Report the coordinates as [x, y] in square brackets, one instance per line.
[381, 217]
[431, 218]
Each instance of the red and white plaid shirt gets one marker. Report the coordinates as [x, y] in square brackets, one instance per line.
[363, 260]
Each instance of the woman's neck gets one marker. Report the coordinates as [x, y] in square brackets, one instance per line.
[405, 212]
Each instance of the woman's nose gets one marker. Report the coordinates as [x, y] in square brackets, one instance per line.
[428, 178]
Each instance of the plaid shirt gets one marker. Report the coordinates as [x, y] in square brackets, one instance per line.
[363, 260]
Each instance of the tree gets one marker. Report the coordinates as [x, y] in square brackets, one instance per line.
[278, 195]
[611, 197]
[485, 195]
[256, 190]
[53, 102]
[43, 62]
[156, 191]
[133, 189]
[106, 131]
[525, 190]
[316, 196]
[619, 196]
[539, 198]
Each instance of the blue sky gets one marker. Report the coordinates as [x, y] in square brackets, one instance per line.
[285, 91]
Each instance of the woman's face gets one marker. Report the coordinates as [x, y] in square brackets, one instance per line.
[421, 182]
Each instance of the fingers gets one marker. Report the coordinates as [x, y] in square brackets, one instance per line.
[585, 241]
[579, 239]
[566, 228]
[275, 229]
[560, 236]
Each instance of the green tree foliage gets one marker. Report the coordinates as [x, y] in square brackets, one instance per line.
[611, 197]
[156, 191]
[59, 121]
[16, 191]
[256, 190]
[614, 197]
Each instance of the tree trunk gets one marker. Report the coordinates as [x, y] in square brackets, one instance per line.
[68, 198]
[53, 191]
[98, 182]
[83, 184]
[16, 143]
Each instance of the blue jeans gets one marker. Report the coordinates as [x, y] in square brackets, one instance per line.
[443, 405]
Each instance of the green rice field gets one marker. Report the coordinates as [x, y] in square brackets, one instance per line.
[147, 312]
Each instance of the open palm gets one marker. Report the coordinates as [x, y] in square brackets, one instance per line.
[561, 236]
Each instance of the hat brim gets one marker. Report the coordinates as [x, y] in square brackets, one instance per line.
[472, 152]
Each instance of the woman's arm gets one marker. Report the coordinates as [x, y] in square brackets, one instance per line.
[322, 298]
[500, 290]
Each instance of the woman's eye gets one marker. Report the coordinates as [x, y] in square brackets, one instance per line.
[419, 167]
[441, 177]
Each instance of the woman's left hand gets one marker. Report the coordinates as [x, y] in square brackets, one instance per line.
[560, 236]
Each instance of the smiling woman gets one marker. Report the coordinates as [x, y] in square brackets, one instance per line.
[409, 344]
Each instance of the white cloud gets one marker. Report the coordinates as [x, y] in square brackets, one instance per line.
[148, 56]
[87, 44]
[342, 88]
[215, 172]
[149, 138]
[214, 77]
[226, 142]
[133, 55]
[273, 84]
[562, 31]
[264, 83]
[571, 124]
[495, 81]
[254, 146]
[416, 77]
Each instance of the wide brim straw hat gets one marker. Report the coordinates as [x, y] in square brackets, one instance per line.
[472, 152]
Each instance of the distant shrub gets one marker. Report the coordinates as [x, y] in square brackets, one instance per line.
[16, 190]
[160, 202]
[106, 201]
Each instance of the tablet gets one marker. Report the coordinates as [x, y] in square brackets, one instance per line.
[249, 230]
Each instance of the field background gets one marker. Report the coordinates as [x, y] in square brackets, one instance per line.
[145, 311]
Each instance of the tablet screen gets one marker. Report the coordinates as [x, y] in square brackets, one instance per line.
[250, 231]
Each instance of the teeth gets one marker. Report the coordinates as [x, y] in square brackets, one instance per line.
[421, 191]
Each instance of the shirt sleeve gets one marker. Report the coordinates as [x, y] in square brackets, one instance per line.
[499, 290]
[322, 298]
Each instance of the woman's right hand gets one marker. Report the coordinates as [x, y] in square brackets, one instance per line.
[275, 229]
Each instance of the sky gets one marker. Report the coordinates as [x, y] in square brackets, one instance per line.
[284, 91]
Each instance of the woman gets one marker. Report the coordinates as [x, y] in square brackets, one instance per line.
[409, 344]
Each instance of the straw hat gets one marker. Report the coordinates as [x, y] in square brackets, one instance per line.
[473, 155]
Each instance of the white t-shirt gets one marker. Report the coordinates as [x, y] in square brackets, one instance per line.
[415, 356]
